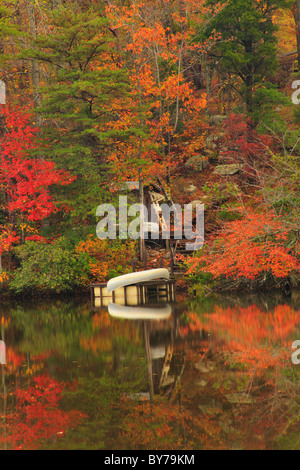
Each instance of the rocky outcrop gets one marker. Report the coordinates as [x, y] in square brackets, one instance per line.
[228, 170]
[197, 163]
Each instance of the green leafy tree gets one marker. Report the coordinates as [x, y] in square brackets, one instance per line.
[296, 13]
[8, 30]
[85, 92]
[247, 48]
[49, 268]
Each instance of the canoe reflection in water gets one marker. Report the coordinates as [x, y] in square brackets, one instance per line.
[160, 326]
[140, 313]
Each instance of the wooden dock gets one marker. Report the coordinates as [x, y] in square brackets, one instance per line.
[137, 294]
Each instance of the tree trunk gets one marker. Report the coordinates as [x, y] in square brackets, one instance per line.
[35, 69]
[296, 12]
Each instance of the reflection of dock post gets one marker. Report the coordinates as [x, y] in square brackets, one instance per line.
[149, 359]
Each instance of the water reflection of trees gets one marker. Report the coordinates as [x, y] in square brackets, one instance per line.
[58, 338]
[215, 374]
[251, 374]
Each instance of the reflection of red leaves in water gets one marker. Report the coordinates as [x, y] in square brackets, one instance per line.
[167, 425]
[252, 374]
[41, 356]
[256, 338]
[149, 426]
[37, 415]
[105, 332]
[249, 325]
[13, 358]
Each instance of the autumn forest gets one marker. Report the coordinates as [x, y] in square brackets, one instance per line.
[199, 95]
[192, 102]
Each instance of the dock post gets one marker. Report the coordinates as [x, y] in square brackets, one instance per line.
[125, 294]
[171, 260]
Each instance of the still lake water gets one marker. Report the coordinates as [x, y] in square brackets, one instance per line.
[210, 373]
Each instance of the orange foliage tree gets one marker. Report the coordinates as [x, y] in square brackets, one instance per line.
[161, 47]
[106, 258]
[248, 248]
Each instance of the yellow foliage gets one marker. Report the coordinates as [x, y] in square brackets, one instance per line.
[3, 277]
[107, 256]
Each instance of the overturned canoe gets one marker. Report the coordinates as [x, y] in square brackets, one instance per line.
[139, 313]
[135, 278]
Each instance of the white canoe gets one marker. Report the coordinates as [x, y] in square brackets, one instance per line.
[139, 313]
[134, 278]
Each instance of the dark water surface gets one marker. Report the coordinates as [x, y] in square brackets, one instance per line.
[211, 373]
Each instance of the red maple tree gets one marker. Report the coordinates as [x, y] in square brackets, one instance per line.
[25, 181]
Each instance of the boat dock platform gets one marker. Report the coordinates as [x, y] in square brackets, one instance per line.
[140, 293]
